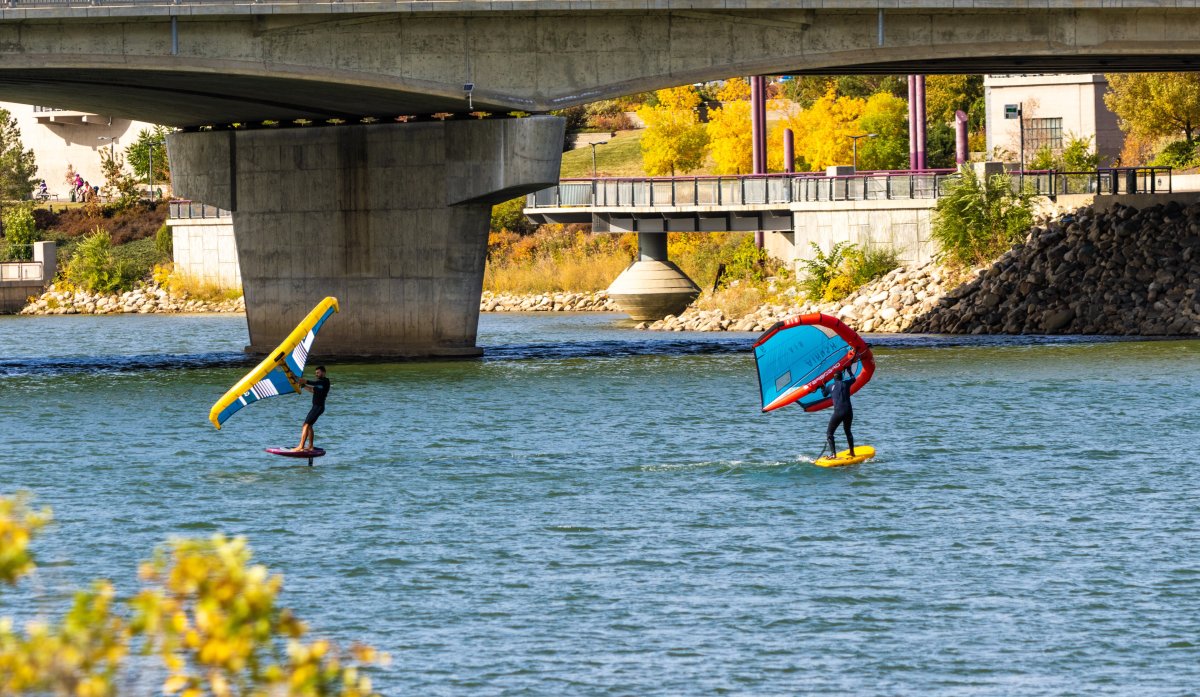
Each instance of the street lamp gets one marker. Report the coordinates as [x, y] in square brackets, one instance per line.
[854, 145]
[112, 142]
[594, 156]
[154, 143]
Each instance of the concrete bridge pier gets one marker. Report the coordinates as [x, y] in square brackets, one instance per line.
[392, 219]
[653, 286]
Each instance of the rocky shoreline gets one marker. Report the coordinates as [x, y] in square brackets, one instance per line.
[1126, 271]
[1122, 272]
[889, 304]
[547, 302]
[146, 299]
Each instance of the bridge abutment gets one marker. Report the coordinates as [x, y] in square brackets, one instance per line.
[392, 219]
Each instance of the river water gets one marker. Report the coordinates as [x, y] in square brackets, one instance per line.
[593, 510]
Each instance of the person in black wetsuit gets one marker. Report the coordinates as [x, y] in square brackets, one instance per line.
[320, 390]
[843, 411]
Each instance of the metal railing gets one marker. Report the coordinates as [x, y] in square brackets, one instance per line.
[747, 190]
[772, 189]
[183, 209]
[1104, 181]
[18, 269]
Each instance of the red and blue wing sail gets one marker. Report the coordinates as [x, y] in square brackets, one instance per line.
[799, 356]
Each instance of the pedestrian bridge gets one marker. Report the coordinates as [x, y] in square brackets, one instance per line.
[797, 210]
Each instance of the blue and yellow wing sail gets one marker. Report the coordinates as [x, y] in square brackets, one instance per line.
[280, 371]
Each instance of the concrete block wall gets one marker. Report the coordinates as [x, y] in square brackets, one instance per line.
[902, 225]
[21, 280]
[205, 249]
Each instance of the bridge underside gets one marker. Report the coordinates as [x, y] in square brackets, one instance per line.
[193, 70]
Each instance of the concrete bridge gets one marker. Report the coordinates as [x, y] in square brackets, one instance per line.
[392, 217]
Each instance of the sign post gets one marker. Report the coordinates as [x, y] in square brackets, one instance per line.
[1016, 111]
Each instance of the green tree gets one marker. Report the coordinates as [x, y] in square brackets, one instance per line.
[151, 144]
[1155, 104]
[18, 167]
[675, 139]
[20, 231]
[939, 146]
[510, 216]
[805, 90]
[119, 186]
[946, 94]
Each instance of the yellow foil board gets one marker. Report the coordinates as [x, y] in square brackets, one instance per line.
[862, 453]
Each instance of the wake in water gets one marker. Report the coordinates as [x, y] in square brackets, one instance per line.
[689, 345]
[121, 364]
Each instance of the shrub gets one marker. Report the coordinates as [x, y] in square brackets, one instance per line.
[835, 275]
[1180, 154]
[164, 242]
[20, 232]
[510, 216]
[210, 614]
[977, 220]
[822, 268]
[870, 262]
[94, 267]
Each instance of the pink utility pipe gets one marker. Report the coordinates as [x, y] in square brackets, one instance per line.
[921, 122]
[753, 124]
[912, 122]
[961, 154]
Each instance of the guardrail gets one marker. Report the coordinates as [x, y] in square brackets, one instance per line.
[770, 189]
[183, 209]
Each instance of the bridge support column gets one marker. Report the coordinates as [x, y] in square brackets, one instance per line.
[653, 287]
[392, 219]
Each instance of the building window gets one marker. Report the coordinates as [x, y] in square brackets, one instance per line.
[1040, 133]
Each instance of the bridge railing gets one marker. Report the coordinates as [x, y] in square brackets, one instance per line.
[770, 189]
[183, 209]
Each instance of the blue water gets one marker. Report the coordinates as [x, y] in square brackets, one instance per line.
[593, 510]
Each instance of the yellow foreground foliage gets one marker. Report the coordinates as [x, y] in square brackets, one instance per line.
[206, 611]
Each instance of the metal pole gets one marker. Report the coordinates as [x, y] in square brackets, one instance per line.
[1021, 128]
[789, 151]
[920, 122]
[912, 122]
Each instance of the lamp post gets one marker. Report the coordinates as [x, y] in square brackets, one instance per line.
[854, 145]
[594, 156]
[154, 143]
[112, 143]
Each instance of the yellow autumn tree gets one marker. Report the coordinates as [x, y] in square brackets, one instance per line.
[729, 130]
[823, 130]
[1152, 105]
[211, 616]
[675, 139]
